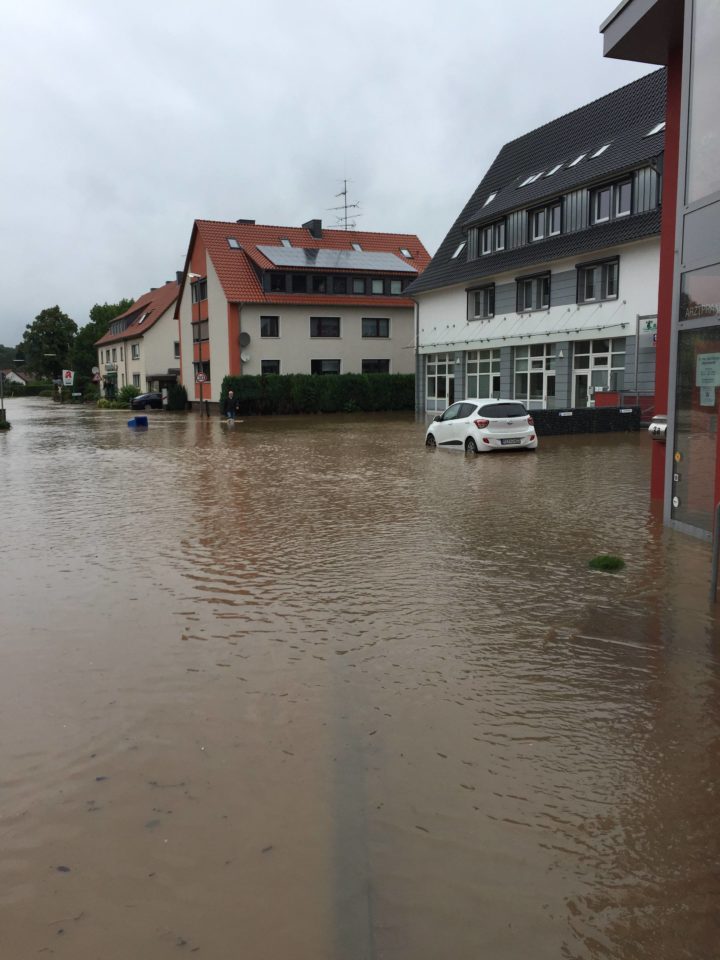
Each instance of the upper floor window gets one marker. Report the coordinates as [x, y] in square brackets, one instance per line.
[176, 349]
[201, 331]
[597, 281]
[319, 284]
[611, 202]
[136, 351]
[377, 286]
[358, 285]
[545, 221]
[339, 284]
[372, 327]
[395, 287]
[486, 240]
[269, 326]
[299, 282]
[482, 302]
[199, 291]
[277, 283]
[324, 327]
[533, 293]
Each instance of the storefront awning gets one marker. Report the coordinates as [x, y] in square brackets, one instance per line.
[584, 322]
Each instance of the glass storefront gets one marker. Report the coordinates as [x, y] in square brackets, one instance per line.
[598, 365]
[703, 169]
[535, 376]
[439, 381]
[697, 403]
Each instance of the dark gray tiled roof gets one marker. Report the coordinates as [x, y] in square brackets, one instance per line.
[622, 119]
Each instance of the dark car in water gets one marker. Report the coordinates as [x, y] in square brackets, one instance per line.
[154, 401]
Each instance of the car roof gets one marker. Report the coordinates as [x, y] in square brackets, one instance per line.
[489, 400]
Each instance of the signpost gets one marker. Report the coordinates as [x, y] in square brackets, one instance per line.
[201, 378]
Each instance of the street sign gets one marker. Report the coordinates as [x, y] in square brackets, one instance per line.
[201, 378]
[68, 378]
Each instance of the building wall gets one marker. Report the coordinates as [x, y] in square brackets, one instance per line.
[295, 348]
[444, 326]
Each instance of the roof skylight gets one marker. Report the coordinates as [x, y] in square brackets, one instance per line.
[356, 246]
[490, 198]
[577, 160]
[406, 253]
[233, 243]
[459, 250]
[142, 318]
[532, 179]
[656, 129]
[285, 242]
[599, 152]
[555, 169]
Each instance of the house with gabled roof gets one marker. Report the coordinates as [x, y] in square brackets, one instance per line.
[545, 288]
[258, 299]
[142, 347]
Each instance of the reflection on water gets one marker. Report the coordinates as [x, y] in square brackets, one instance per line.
[301, 688]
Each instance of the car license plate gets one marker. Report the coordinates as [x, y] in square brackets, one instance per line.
[510, 440]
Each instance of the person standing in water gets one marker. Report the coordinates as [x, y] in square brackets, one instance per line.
[230, 406]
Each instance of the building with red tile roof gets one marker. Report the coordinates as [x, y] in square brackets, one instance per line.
[142, 346]
[274, 299]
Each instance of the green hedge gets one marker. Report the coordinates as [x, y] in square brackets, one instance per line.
[329, 393]
[177, 397]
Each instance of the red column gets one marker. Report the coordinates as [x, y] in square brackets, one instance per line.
[667, 260]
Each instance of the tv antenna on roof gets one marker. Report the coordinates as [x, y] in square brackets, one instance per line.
[346, 220]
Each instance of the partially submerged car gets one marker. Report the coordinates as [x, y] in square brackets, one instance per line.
[145, 401]
[482, 426]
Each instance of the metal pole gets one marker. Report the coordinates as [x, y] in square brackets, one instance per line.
[637, 355]
[715, 556]
[2, 396]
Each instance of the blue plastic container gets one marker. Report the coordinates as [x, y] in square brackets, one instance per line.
[138, 422]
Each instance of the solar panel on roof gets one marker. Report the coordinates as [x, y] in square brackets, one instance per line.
[324, 259]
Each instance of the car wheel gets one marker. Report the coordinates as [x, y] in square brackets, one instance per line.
[430, 441]
[470, 446]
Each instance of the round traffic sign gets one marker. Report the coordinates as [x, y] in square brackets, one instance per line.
[201, 378]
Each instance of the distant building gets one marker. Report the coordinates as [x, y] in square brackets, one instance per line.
[142, 347]
[545, 287]
[684, 35]
[262, 299]
[12, 376]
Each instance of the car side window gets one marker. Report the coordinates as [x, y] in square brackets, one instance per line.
[466, 410]
[452, 412]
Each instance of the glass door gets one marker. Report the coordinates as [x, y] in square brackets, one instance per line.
[697, 406]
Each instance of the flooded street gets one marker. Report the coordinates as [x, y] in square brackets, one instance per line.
[302, 689]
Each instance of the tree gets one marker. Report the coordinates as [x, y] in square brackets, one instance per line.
[51, 332]
[7, 356]
[85, 352]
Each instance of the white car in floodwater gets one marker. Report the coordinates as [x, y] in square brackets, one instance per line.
[483, 425]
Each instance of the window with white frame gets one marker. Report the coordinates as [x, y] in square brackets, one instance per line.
[611, 202]
[534, 375]
[176, 350]
[485, 240]
[545, 221]
[602, 361]
[483, 373]
[135, 351]
[481, 303]
[597, 281]
[439, 378]
[533, 293]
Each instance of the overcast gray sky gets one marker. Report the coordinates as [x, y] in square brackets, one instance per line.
[123, 121]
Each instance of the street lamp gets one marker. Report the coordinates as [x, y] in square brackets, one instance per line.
[200, 377]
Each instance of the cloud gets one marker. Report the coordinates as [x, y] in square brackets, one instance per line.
[130, 120]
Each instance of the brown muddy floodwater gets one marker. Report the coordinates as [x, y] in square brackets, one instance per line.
[303, 690]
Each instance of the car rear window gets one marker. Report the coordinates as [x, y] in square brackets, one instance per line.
[502, 410]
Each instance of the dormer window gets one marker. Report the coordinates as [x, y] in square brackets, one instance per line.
[545, 221]
[611, 202]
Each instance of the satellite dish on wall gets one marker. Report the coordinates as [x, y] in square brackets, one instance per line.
[245, 357]
[244, 339]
